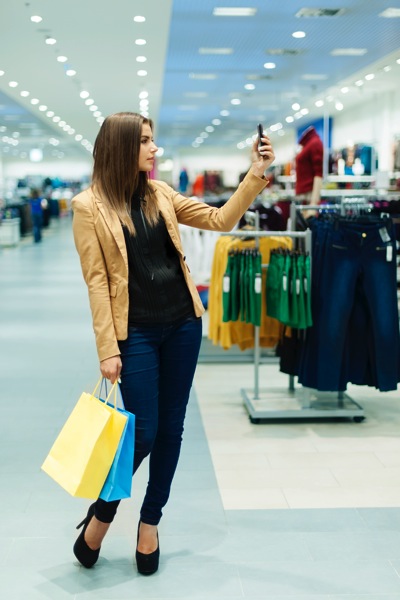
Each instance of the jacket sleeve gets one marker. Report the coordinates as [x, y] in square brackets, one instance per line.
[95, 274]
[200, 215]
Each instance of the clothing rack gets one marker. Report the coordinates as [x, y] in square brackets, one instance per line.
[278, 403]
[345, 405]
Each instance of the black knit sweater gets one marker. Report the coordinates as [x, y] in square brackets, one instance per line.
[157, 289]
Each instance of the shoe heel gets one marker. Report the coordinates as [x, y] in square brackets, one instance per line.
[86, 556]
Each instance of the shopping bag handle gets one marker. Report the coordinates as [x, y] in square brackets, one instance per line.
[113, 389]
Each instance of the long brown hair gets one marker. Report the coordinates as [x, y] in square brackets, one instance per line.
[116, 174]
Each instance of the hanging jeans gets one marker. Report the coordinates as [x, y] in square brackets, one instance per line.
[355, 336]
[158, 366]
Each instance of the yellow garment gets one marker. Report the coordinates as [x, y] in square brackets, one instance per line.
[242, 334]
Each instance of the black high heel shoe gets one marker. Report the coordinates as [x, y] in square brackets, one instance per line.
[147, 564]
[86, 556]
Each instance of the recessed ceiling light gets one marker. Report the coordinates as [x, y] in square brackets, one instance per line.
[349, 52]
[398, 61]
[209, 128]
[236, 101]
[56, 119]
[51, 41]
[142, 73]
[215, 50]
[144, 95]
[36, 19]
[339, 106]
[62, 59]
[84, 94]
[42, 107]
[304, 111]
[70, 72]
[299, 34]
[296, 106]
[13, 84]
[359, 83]
[289, 119]
[34, 101]
[78, 137]
[204, 135]
[234, 11]
[141, 59]
[224, 113]
[344, 90]
[139, 19]
[140, 42]
[89, 101]
[387, 68]
[50, 113]
[97, 113]
[24, 93]
[249, 86]
[390, 13]
[370, 76]
[269, 65]
[216, 121]
[93, 108]
[2, 73]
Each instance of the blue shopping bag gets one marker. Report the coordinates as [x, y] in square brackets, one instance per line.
[119, 479]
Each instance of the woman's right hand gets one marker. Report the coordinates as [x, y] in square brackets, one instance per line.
[111, 368]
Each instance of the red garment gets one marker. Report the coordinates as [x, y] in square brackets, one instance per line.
[309, 161]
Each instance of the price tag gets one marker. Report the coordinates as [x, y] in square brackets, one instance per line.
[284, 282]
[257, 284]
[389, 253]
[298, 287]
[383, 232]
[226, 284]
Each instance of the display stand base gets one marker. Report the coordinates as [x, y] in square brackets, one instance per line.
[302, 403]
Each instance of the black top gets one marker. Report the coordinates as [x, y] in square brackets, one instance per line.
[158, 292]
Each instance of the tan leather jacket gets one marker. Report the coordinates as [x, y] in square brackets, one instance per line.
[100, 242]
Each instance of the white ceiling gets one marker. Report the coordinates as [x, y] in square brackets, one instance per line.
[98, 39]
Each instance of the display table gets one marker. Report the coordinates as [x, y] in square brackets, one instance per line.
[10, 232]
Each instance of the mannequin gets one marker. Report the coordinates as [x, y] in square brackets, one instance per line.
[309, 167]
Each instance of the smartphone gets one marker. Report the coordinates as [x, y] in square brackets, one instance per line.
[260, 131]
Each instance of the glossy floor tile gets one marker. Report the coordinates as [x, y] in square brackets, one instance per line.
[256, 512]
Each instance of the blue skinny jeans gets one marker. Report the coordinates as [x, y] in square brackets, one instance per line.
[158, 366]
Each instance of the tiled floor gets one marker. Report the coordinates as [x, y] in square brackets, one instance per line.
[289, 511]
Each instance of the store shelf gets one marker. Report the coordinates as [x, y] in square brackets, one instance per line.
[350, 178]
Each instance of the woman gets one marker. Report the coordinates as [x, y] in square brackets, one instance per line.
[145, 307]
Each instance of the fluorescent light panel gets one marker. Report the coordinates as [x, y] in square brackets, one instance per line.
[390, 13]
[234, 11]
[349, 52]
[215, 50]
[202, 76]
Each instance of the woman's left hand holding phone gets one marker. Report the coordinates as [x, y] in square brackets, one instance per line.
[111, 368]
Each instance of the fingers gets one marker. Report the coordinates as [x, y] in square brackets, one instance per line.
[265, 147]
[111, 368]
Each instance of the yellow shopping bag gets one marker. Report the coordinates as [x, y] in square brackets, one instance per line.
[84, 450]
